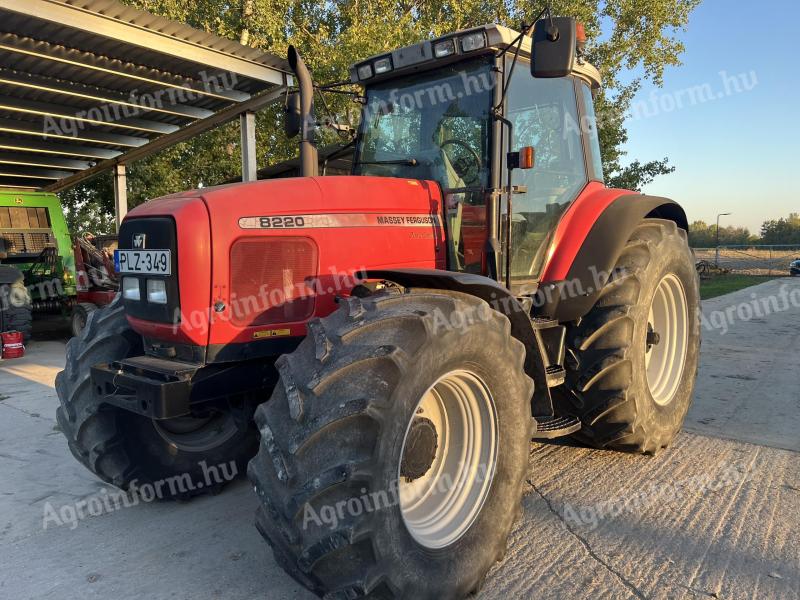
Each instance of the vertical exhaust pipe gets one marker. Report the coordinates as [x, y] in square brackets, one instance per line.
[309, 159]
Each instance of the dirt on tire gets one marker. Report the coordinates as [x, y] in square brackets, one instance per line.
[331, 436]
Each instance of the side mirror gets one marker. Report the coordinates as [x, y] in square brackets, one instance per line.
[555, 47]
[292, 117]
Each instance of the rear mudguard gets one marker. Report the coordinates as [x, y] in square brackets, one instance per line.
[585, 247]
[587, 243]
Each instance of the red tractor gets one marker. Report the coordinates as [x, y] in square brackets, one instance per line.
[378, 350]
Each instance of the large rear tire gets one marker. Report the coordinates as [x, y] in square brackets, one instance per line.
[632, 361]
[180, 458]
[16, 313]
[393, 451]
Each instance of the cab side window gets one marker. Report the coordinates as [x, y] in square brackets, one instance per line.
[545, 115]
[590, 127]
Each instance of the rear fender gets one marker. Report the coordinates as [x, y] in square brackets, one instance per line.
[587, 244]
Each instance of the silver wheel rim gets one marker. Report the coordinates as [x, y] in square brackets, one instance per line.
[441, 505]
[665, 359]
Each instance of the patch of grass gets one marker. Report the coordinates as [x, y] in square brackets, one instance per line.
[725, 284]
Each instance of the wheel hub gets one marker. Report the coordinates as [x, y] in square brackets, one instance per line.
[421, 444]
[653, 338]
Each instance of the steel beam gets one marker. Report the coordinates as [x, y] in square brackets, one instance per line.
[165, 141]
[32, 173]
[45, 162]
[75, 58]
[58, 113]
[247, 125]
[42, 84]
[29, 128]
[97, 23]
[120, 193]
[40, 148]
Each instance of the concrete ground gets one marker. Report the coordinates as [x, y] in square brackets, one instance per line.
[715, 516]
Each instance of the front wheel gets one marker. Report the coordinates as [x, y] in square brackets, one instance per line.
[393, 451]
[632, 361]
[175, 458]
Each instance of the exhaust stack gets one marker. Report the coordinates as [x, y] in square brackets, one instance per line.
[309, 159]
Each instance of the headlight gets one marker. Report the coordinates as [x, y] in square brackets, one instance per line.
[445, 48]
[383, 65]
[473, 41]
[156, 291]
[365, 71]
[130, 288]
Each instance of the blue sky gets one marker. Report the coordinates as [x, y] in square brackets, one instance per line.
[734, 151]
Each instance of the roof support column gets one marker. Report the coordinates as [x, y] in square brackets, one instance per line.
[247, 123]
[120, 193]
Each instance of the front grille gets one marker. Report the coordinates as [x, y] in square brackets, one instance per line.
[268, 280]
[159, 234]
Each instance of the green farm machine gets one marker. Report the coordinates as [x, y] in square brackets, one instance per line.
[42, 270]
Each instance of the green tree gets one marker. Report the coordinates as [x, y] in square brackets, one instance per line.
[702, 235]
[624, 37]
[782, 231]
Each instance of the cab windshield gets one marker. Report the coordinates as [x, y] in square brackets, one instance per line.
[433, 125]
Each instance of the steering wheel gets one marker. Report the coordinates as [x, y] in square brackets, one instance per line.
[462, 165]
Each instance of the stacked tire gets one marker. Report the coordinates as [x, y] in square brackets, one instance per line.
[16, 313]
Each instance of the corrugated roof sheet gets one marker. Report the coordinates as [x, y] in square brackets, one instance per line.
[82, 81]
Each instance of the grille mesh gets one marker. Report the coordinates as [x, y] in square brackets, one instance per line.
[268, 280]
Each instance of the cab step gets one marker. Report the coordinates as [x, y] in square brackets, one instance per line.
[548, 428]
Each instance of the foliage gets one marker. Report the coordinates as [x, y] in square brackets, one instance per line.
[782, 231]
[702, 235]
[624, 37]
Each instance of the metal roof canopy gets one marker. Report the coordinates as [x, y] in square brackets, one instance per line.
[90, 85]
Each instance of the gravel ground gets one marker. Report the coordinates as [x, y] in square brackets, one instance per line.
[715, 516]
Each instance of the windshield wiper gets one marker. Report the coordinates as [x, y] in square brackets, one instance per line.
[411, 162]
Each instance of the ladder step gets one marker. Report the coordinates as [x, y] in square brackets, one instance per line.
[548, 428]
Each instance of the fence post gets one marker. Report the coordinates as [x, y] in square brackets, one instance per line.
[770, 262]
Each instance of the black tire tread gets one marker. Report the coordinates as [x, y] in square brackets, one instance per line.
[599, 373]
[357, 354]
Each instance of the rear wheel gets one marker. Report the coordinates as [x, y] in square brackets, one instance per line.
[393, 451]
[632, 361]
[179, 458]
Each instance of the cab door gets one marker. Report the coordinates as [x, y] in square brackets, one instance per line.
[547, 114]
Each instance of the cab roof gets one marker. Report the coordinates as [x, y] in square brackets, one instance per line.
[421, 56]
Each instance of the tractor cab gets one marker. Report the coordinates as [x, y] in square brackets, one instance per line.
[457, 110]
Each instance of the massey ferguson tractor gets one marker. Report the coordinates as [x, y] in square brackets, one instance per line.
[378, 350]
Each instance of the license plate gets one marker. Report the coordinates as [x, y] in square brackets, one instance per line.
[146, 262]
